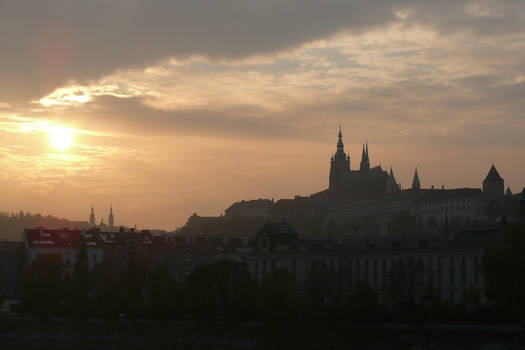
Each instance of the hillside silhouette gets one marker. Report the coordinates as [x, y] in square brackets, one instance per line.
[12, 225]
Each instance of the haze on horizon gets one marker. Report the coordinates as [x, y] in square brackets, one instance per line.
[166, 108]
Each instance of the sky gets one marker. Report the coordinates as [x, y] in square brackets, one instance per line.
[166, 108]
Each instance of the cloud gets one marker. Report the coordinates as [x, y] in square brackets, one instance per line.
[49, 43]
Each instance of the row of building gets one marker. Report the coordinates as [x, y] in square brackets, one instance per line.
[450, 264]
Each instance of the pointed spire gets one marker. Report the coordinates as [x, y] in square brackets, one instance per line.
[340, 145]
[365, 164]
[416, 185]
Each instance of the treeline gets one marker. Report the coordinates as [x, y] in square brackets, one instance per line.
[226, 292]
[12, 225]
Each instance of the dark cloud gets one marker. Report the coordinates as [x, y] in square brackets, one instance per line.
[131, 115]
[46, 43]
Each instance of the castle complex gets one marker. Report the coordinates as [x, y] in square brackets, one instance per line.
[367, 200]
[366, 180]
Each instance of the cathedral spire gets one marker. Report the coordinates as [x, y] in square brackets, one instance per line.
[365, 163]
[340, 145]
[416, 185]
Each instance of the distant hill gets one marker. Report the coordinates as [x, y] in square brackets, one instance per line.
[12, 225]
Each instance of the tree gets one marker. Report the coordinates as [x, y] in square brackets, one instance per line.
[80, 288]
[165, 296]
[132, 281]
[223, 288]
[405, 287]
[504, 270]
[362, 302]
[104, 292]
[41, 285]
[279, 301]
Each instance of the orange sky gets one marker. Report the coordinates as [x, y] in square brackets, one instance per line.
[173, 117]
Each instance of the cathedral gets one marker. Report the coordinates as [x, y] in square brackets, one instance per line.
[346, 182]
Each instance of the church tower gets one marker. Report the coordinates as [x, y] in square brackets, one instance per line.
[111, 219]
[339, 165]
[92, 217]
[416, 185]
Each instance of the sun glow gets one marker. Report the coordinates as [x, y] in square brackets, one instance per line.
[60, 137]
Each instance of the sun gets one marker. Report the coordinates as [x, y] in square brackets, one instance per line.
[60, 137]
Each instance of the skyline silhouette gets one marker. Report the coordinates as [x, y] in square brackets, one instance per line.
[165, 109]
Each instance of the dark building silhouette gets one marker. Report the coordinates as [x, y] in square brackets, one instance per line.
[494, 185]
[346, 182]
